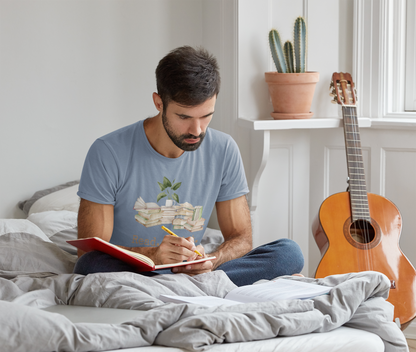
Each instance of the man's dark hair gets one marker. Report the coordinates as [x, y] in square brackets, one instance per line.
[187, 76]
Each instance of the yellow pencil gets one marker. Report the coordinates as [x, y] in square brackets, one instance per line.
[173, 234]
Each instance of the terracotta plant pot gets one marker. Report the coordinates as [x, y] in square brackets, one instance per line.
[291, 94]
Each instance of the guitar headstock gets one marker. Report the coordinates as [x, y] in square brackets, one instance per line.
[342, 89]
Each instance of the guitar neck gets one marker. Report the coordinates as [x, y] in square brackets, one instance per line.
[355, 165]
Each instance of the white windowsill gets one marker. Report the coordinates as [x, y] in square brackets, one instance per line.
[315, 122]
[394, 123]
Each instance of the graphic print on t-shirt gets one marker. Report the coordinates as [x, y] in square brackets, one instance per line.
[180, 215]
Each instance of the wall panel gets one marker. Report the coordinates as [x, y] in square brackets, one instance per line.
[283, 192]
[398, 179]
[274, 213]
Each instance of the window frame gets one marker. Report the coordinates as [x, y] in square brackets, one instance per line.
[410, 91]
[379, 59]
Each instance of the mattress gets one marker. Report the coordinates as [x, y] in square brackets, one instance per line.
[342, 339]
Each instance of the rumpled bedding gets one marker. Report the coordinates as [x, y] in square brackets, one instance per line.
[37, 274]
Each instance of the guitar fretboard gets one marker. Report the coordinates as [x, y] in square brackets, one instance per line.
[355, 165]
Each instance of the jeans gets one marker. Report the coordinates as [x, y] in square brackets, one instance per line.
[277, 258]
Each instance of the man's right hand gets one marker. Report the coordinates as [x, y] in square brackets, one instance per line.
[175, 249]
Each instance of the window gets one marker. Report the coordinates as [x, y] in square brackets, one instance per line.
[384, 58]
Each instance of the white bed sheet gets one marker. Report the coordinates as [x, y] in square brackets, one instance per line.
[343, 339]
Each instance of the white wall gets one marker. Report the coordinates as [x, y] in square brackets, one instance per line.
[73, 70]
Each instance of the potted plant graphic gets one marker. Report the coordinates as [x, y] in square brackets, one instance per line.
[167, 189]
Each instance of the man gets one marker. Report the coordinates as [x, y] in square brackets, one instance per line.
[171, 170]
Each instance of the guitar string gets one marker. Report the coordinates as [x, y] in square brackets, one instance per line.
[363, 227]
[353, 167]
[353, 184]
[361, 187]
[358, 201]
[348, 138]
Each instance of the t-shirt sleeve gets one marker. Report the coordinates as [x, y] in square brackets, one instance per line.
[234, 182]
[100, 175]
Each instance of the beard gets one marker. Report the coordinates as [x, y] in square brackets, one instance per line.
[179, 140]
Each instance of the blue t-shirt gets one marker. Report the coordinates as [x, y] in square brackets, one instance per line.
[149, 190]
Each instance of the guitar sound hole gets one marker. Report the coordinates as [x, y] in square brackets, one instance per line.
[362, 231]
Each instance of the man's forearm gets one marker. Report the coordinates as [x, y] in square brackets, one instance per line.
[95, 220]
[234, 220]
[233, 248]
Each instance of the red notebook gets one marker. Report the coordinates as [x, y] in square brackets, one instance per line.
[137, 260]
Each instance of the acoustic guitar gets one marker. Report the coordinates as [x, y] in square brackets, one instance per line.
[359, 231]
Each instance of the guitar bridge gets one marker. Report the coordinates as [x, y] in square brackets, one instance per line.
[392, 284]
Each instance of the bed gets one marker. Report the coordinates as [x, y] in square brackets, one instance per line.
[44, 307]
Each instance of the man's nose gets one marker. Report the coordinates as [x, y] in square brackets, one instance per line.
[195, 128]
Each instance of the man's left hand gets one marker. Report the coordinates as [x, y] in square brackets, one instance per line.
[198, 268]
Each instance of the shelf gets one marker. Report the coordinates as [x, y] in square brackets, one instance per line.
[313, 123]
[325, 122]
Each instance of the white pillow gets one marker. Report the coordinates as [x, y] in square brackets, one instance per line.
[51, 222]
[64, 199]
[59, 226]
[8, 226]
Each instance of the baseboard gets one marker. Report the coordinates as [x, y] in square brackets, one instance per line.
[410, 331]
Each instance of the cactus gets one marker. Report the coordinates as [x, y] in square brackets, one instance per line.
[299, 40]
[288, 49]
[285, 60]
[277, 52]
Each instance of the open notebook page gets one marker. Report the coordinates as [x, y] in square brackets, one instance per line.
[277, 290]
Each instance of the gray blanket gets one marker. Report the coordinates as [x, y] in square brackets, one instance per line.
[358, 300]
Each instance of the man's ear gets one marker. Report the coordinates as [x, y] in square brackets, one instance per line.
[157, 100]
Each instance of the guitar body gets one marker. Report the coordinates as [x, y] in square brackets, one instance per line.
[344, 251]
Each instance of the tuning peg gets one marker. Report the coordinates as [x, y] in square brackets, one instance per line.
[331, 85]
[355, 93]
[333, 93]
[334, 101]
